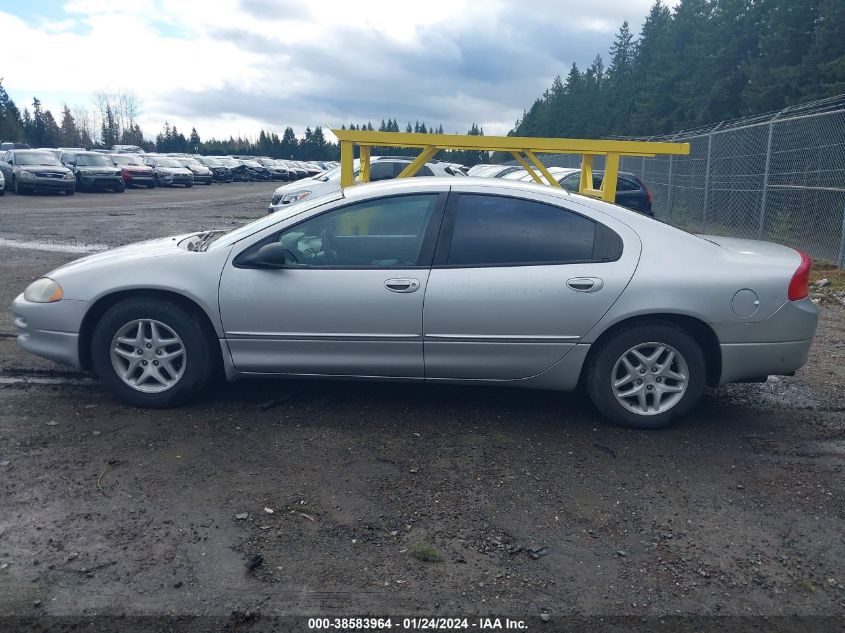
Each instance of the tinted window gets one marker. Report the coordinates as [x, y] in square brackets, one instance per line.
[388, 233]
[492, 230]
[626, 184]
[381, 170]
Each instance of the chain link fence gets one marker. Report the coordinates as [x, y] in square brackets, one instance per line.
[778, 177]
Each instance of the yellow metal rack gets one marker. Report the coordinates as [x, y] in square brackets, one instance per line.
[520, 147]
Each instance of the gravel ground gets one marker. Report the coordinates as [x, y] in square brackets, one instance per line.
[529, 501]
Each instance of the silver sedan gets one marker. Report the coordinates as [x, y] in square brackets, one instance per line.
[467, 281]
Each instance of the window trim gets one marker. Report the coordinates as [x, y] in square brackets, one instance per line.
[444, 242]
[427, 248]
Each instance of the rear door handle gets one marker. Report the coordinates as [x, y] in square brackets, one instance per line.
[402, 285]
[585, 284]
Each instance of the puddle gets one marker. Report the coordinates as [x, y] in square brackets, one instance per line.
[54, 247]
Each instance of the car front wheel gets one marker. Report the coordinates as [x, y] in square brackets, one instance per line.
[152, 353]
[647, 375]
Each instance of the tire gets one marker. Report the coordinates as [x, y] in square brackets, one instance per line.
[18, 187]
[189, 185]
[3, 191]
[189, 372]
[70, 192]
[608, 364]
[121, 187]
[208, 182]
[151, 185]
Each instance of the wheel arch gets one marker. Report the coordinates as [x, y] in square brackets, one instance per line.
[698, 329]
[101, 305]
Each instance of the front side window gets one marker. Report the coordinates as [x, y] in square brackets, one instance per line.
[382, 233]
[497, 231]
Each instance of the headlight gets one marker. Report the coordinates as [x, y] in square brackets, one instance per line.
[165, 172]
[277, 198]
[43, 290]
[296, 196]
[23, 173]
[69, 176]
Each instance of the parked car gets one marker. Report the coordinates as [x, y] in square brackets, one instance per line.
[381, 168]
[456, 280]
[219, 171]
[631, 192]
[169, 171]
[255, 170]
[94, 171]
[135, 173]
[240, 172]
[202, 174]
[127, 149]
[493, 171]
[28, 170]
[2, 184]
[277, 171]
[295, 172]
[7, 145]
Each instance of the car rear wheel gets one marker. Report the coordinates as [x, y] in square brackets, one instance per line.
[152, 353]
[647, 375]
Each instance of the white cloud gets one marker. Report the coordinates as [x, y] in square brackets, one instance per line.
[232, 67]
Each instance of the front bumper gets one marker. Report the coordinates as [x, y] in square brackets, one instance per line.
[54, 184]
[203, 178]
[175, 179]
[139, 179]
[50, 330]
[100, 181]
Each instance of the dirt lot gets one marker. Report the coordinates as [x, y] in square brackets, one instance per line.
[532, 502]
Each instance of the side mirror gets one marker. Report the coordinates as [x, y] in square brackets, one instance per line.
[273, 255]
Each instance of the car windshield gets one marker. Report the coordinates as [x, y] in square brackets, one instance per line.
[190, 161]
[269, 220]
[126, 159]
[167, 162]
[93, 160]
[36, 158]
[210, 162]
[251, 163]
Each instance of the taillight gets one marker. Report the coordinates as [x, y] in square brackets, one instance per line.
[799, 285]
[648, 191]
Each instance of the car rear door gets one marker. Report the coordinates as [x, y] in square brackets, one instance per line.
[517, 282]
[350, 300]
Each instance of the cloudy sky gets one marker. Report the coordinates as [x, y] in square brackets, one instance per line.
[235, 66]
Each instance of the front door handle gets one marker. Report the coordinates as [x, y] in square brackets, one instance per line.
[585, 284]
[402, 285]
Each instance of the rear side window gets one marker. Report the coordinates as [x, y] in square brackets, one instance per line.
[500, 231]
[626, 184]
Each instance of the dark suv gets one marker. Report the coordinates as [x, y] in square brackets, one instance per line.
[630, 190]
[94, 171]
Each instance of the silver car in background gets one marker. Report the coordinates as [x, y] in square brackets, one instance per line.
[468, 281]
[381, 168]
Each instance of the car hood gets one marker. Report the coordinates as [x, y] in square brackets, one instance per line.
[176, 170]
[43, 169]
[136, 251]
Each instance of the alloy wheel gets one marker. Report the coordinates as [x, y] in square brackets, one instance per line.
[148, 355]
[650, 378]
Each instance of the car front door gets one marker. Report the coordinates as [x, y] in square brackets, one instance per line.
[516, 283]
[348, 300]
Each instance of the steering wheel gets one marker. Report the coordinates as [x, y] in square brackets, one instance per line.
[328, 247]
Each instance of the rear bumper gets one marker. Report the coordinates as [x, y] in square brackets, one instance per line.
[777, 345]
[742, 361]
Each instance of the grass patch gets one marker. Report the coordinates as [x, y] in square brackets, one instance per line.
[426, 553]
